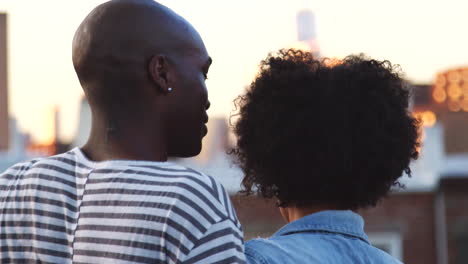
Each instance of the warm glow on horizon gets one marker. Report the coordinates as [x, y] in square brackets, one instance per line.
[48, 130]
[238, 35]
[300, 45]
[427, 118]
[331, 62]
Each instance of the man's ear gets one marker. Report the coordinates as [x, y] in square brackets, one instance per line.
[158, 70]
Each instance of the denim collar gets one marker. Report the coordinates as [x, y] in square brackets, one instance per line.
[346, 223]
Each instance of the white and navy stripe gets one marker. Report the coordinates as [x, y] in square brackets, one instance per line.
[67, 209]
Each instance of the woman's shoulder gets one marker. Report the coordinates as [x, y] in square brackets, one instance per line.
[270, 250]
[257, 250]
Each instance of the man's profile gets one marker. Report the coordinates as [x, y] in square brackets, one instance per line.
[117, 199]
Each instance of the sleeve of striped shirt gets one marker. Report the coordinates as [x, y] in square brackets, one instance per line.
[221, 243]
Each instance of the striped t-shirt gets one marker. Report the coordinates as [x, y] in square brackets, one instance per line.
[68, 209]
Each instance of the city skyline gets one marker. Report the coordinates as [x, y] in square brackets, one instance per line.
[424, 37]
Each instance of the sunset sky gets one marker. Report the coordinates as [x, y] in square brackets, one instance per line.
[424, 37]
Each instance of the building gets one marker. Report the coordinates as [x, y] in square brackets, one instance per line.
[428, 221]
[306, 31]
[424, 227]
[17, 150]
[13, 143]
[415, 226]
[84, 124]
[4, 122]
[447, 99]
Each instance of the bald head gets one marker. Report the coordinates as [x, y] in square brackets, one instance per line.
[143, 69]
[117, 39]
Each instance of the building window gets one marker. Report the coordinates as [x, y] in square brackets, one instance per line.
[390, 242]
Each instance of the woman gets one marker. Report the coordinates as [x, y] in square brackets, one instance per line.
[324, 140]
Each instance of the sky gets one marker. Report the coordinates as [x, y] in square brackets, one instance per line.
[423, 37]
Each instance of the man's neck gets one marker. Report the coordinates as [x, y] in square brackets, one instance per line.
[125, 145]
[98, 152]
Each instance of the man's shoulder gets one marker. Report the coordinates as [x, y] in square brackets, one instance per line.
[189, 180]
[24, 167]
[20, 167]
[191, 186]
[193, 180]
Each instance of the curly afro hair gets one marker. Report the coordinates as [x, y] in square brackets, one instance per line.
[312, 133]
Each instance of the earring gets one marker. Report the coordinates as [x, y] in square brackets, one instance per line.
[169, 89]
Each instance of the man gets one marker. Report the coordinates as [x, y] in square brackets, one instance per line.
[117, 199]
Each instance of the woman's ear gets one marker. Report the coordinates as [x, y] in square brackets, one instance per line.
[284, 213]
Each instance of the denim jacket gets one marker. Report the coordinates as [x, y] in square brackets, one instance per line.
[332, 237]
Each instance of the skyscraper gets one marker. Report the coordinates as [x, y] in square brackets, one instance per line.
[4, 131]
[306, 30]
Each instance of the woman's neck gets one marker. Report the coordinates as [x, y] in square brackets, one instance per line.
[293, 213]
